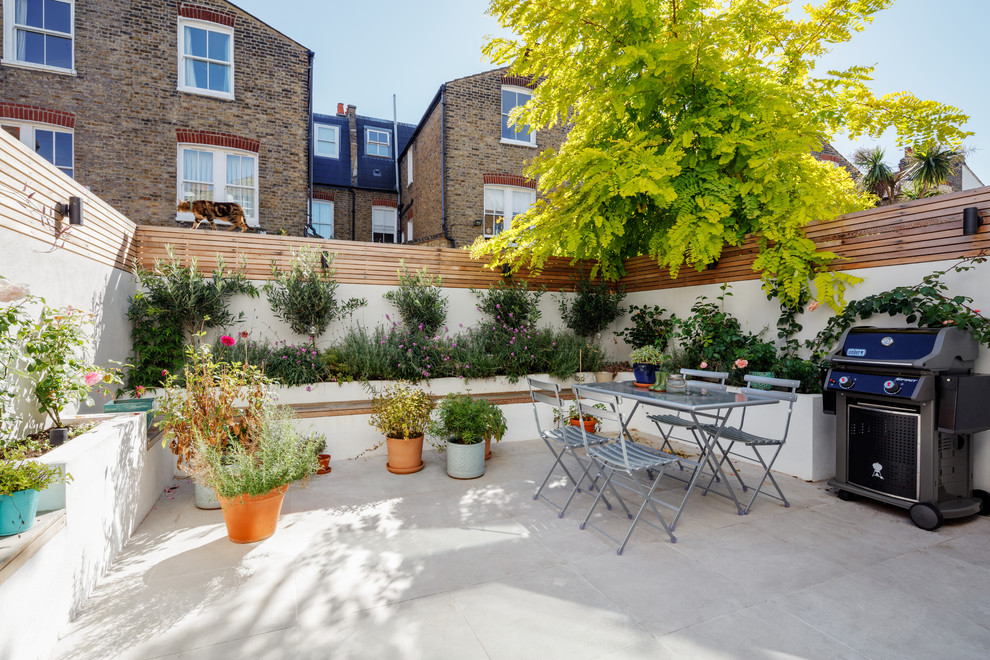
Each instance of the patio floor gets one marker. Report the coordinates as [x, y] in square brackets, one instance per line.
[366, 564]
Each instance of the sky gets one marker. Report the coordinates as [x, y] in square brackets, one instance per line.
[368, 51]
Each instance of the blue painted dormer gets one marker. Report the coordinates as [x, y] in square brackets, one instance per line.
[331, 151]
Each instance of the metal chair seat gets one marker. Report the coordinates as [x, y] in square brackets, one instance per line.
[738, 435]
[673, 420]
[640, 457]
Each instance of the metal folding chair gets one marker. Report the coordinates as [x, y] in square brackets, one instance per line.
[561, 441]
[762, 447]
[714, 380]
[624, 457]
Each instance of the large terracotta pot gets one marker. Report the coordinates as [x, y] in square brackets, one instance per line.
[488, 447]
[405, 456]
[589, 424]
[252, 518]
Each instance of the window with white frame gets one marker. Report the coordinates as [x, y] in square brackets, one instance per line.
[409, 167]
[377, 142]
[327, 140]
[383, 224]
[323, 218]
[502, 204]
[219, 175]
[513, 97]
[39, 33]
[409, 231]
[53, 143]
[206, 58]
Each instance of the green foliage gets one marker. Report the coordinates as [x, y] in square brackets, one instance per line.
[401, 411]
[176, 304]
[690, 127]
[305, 297]
[56, 346]
[595, 306]
[646, 355]
[282, 362]
[930, 164]
[510, 303]
[14, 325]
[648, 327]
[467, 420]
[275, 454]
[926, 304]
[420, 300]
[17, 474]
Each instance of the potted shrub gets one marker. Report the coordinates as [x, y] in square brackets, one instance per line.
[644, 361]
[203, 406]
[591, 423]
[21, 482]
[402, 413]
[251, 473]
[464, 423]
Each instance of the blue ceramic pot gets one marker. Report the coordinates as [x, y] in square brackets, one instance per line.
[17, 511]
[645, 373]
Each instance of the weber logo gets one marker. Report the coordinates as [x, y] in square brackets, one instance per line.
[877, 469]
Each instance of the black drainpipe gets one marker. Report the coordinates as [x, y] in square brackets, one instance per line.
[309, 148]
[443, 167]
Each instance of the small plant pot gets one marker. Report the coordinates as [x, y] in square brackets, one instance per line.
[252, 518]
[603, 377]
[205, 497]
[404, 456]
[465, 461]
[17, 511]
[324, 464]
[645, 374]
[58, 436]
[623, 376]
[589, 424]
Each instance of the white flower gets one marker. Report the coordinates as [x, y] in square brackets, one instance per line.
[12, 292]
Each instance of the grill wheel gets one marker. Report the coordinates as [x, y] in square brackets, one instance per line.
[926, 516]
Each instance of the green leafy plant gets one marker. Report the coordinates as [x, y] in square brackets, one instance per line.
[273, 453]
[420, 300]
[198, 406]
[467, 420]
[17, 474]
[305, 296]
[55, 346]
[14, 325]
[648, 327]
[647, 355]
[401, 411]
[927, 304]
[573, 415]
[177, 303]
[594, 307]
[510, 303]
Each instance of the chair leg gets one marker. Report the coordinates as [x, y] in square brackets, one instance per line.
[666, 447]
[767, 475]
[607, 484]
[647, 500]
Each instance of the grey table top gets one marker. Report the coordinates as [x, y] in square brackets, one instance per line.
[694, 398]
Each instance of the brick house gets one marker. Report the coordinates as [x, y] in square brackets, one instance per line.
[354, 191]
[461, 174]
[830, 154]
[147, 103]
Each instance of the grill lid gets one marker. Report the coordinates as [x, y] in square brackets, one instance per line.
[933, 349]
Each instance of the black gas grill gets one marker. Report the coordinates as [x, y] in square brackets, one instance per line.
[907, 404]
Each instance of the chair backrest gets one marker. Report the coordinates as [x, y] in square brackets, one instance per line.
[713, 377]
[789, 394]
[586, 400]
[542, 391]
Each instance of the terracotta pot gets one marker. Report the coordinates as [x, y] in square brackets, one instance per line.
[405, 456]
[488, 448]
[252, 518]
[324, 464]
[589, 424]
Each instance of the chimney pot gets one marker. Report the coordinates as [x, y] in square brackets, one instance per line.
[340, 109]
[351, 110]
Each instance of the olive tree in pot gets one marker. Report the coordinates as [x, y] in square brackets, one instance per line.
[21, 482]
[251, 474]
[402, 413]
[464, 424]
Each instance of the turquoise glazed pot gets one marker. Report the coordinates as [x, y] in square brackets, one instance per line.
[17, 511]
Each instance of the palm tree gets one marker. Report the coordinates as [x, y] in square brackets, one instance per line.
[878, 177]
[931, 164]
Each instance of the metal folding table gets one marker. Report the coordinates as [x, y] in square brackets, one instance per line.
[708, 408]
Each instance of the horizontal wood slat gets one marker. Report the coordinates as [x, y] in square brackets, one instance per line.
[29, 189]
[363, 407]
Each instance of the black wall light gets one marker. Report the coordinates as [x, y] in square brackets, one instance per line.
[971, 220]
[74, 210]
[324, 260]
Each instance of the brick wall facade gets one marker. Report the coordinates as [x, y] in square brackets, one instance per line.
[473, 148]
[361, 201]
[128, 110]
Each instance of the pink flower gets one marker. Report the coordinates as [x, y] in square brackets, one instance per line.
[92, 378]
[813, 306]
[12, 292]
[227, 340]
[244, 334]
[139, 390]
[164, 372]
[976, 311]
[741, 363]
[703, 365]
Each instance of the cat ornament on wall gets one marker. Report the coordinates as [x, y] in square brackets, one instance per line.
[203, 209]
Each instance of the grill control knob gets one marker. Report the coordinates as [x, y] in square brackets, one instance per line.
[891, 387]
[845, 382]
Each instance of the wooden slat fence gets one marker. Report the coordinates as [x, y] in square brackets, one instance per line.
[29, 189]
